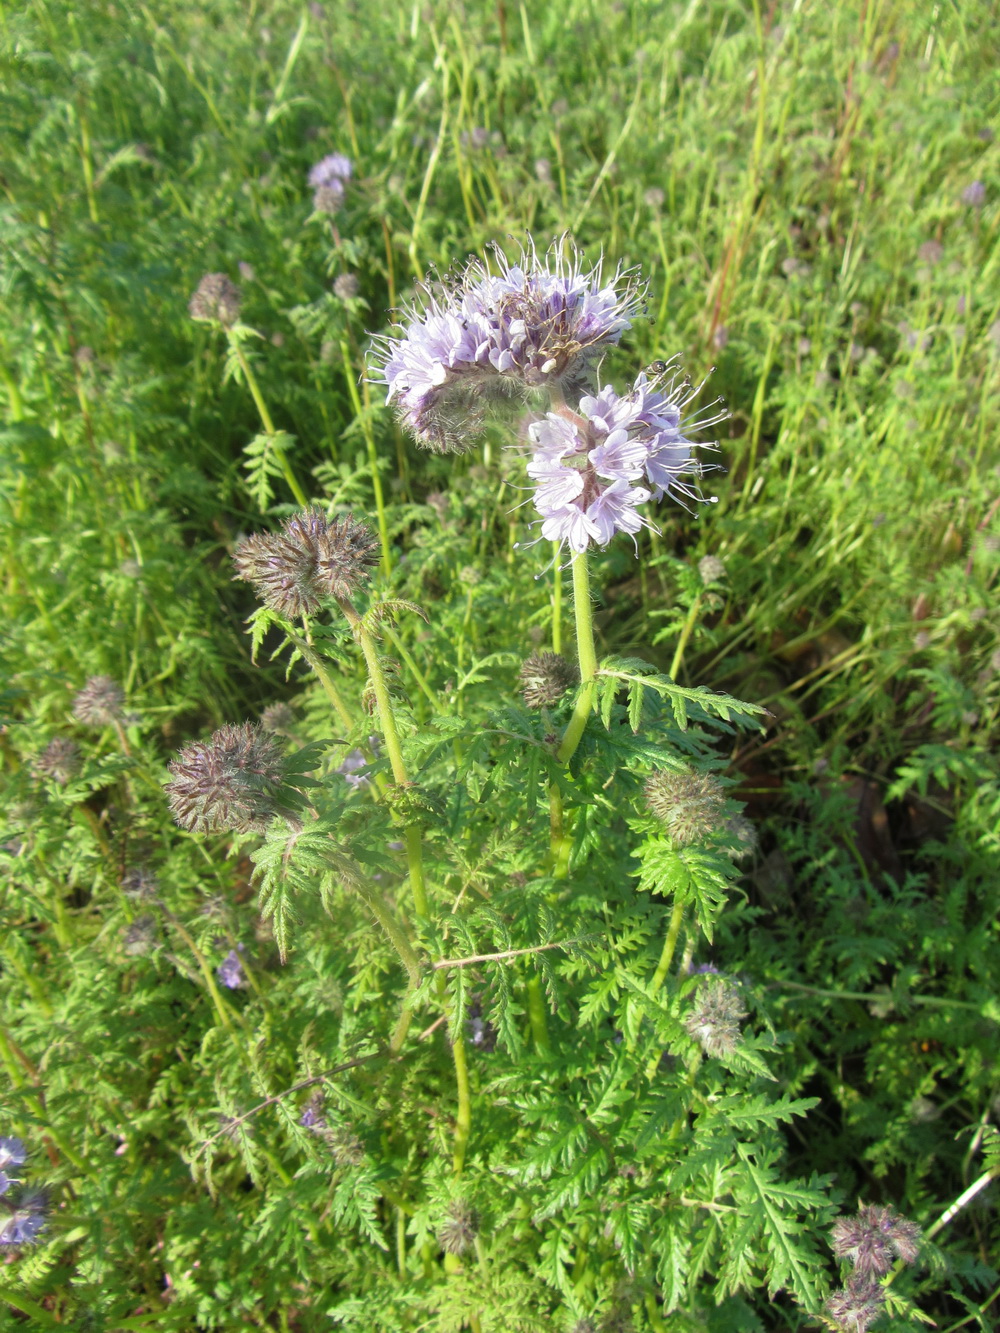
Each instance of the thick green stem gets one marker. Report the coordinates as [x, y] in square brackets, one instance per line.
[538, 1016]
[265, 417]
[587, 657]
[398, 938]
[557, 590]
[669, 946]
[463, 1116]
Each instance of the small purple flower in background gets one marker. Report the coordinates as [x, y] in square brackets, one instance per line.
[350, 769]
[477, 337]
[593, 469]
[24, 1222]
[974, 194]
[328, 178]
[12, 1152]
[230, 970]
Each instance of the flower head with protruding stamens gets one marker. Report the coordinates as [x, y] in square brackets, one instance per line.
[477, 336]
[594, 467]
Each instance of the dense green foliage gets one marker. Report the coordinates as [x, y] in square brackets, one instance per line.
[796, 182]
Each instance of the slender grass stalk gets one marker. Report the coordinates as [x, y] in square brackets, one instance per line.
[265, 417]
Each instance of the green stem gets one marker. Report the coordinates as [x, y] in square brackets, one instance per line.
[265, 417]
[669, 945]
[221, 1008]
[557, 590]
[414, 853]
[587, 657]
[404, 949]
[324, 677]
[538, 1017]
[463, 1116]
[362, 416]
[689, 624]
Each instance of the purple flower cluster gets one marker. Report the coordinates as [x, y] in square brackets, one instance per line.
[230, 970]
[25, 1218]
[478, 336]
[593, 468]
[328, 178]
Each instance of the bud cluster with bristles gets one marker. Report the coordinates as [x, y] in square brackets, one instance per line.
[458, 1232]
[216, 299]
[545, 678]
[714, 1021]
[711, 569]
[309, 559]
[60, 760]
[278, 718]
[691, 806]
[99, 703]
[232, 783]
[873, 1240]
[140, 936]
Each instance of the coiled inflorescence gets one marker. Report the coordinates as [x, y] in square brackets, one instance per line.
[690, 805]
[545, 678]
[714, 1019]
[873, 1240]
[311, 558]
[328, 179]
[234, 782]
[216, 300]
[99, 703]
[479, 336]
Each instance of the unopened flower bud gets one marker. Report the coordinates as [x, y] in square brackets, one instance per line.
[140, 936]
[345, 287]
[545, 678]
[277, 718]
[711, 569]
[857, 1306]
[216, 299]
[139, 883]
[60, 760]
[309, 559]
[459, 1229]
[99, 703]
[231, 783]
[714, 1021]
[690, 805]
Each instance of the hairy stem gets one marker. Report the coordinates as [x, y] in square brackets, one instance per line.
[398, 938]
[324, 677]
[538, 1016]
[587, 657]
[682, 643]
[463, 1116]
[669, 946]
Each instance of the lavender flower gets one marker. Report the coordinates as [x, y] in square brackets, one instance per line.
[25, 1221]
[545, 678]
[60, 760]
[477, 336]
[350, 769]
[216, 300]
[328, 179]
[594, 468]
[312, 1116]
[974, 194]
[99, 703]
[231, 783]
[12, 1152]
[230, 971]
[874, 1240]
[309, 559]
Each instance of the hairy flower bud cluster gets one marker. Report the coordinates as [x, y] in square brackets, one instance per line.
[231, 783]
[714, 1021]
[20, 1221]
[711, 569]
[140, 936]
[478, 336]
[690, 805]
[328, 178]
[594, 467]
[458, 1232]
[873, 1240]
[311, 558]
[60, 760]
[216, 300]
[278, 718]
[99, 703]
[545, 678]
